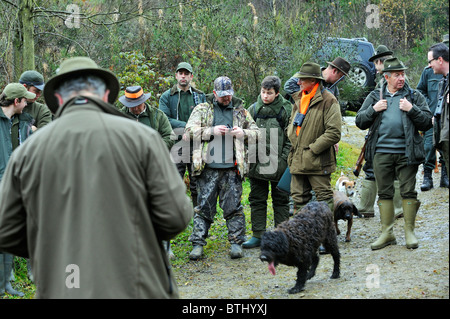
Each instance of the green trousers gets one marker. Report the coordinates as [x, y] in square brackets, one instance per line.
[386, 167]
[302, 185]
[259, 193]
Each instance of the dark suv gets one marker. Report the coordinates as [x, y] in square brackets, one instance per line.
[357, 51]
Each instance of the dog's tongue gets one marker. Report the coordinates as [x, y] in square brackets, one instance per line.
[271, 267]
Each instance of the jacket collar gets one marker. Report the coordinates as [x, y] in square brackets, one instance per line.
[99, 103]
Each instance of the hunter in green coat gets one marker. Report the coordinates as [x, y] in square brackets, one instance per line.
[91, 196]
[271, 113]
[137, 108]
[313, 158]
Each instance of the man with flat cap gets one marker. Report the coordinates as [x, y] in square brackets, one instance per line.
[91, 197]
[394, 113]
[136, 106]
[33, 81]
[15, 127]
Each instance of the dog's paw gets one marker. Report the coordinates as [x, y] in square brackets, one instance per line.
[310, 275]
[295, 290]
[335, 275]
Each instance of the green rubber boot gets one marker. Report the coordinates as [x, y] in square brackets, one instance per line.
[387, 237]
[367, 198]
[252, 243]
[410, 208]
[398, 207]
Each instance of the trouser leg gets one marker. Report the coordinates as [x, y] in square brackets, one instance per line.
[259, 190]
[280, 203]
[204, 212]
[230, 194]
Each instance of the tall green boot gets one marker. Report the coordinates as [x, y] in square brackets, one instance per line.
[410, 208]
[387, 237]
[367, 198]
[398, 207]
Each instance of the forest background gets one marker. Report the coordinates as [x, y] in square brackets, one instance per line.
[142, 41]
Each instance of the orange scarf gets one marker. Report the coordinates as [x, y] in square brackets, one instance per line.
[304, 102]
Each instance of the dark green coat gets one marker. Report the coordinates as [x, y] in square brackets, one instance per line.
[22, 123]
[157, 120]
[40, 113]
[99, 191]
[271, 116]
[178, 114]
[417, 119]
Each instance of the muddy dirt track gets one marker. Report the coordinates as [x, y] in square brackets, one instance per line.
[392, 272]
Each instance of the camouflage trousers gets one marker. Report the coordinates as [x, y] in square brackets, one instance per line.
[227, 185]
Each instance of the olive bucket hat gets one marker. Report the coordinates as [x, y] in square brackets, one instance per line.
[393, 64]
[76, 67]
[309, 70]
[380, 52]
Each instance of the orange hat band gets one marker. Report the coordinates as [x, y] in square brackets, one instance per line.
[134, 95]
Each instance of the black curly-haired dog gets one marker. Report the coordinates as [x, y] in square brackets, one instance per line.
[295, 242]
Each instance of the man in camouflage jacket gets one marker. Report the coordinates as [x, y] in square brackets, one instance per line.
[219, 129]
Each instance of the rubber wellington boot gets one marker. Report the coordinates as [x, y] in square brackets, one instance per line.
[367, 198]
[410, 208]
[387, 237]
[252, 243]
[398, 207]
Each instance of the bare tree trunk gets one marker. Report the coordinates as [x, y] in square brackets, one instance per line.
[26, 22]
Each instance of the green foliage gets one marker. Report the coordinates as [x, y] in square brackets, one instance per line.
[139, 70]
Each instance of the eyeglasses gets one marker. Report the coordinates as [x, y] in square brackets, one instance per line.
[429, 61]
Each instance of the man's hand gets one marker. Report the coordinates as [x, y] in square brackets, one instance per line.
[220, 130]
[405, 105]
[237, 132]
[380, 106]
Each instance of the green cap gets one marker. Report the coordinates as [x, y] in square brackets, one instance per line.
[393, 64]
[32, 78]
[17, 91]
[184, 65]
